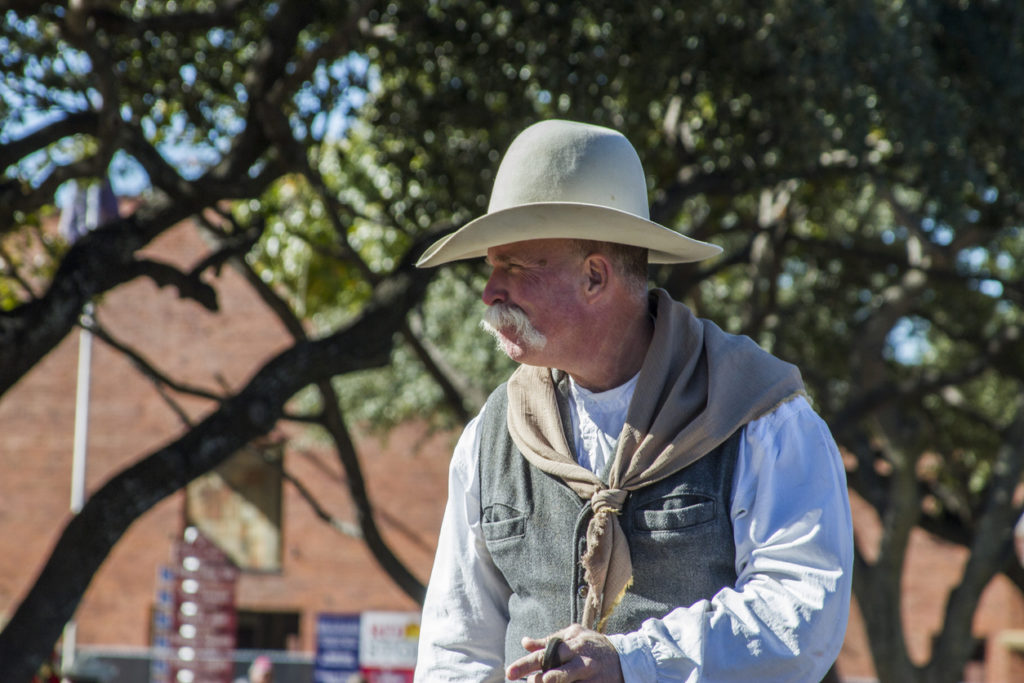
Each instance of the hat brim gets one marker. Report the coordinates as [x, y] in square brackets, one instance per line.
[549, 220]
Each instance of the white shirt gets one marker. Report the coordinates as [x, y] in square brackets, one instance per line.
[785, 618]
[597, 420]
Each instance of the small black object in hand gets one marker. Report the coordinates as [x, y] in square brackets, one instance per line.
[552, 660]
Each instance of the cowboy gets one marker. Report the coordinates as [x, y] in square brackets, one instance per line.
[647, 497]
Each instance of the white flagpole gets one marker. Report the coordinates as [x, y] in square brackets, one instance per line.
[81, 413]
[78, 461]
[81, 438]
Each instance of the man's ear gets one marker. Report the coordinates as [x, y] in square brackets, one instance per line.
[598, 271]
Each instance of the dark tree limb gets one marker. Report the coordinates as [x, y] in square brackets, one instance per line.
[21, 196]
[439, 370]
[179, 23]
[147, 368]
[11, 271]
[339, 525]
[100, 261]
[96, 263]
[332, 420]
[90, 536]
[75, 123]
[189, 285]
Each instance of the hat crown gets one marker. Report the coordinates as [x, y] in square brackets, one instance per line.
[568, 180]
[577, 163]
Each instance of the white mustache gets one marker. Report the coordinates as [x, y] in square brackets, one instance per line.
[508, 317]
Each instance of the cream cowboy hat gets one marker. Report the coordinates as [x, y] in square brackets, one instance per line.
[574, 180]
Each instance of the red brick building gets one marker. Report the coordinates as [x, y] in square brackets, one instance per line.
[321, 570]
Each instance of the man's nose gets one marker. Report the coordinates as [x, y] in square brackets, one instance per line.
[494, 292]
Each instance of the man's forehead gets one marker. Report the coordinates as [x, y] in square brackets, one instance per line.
[541, 248]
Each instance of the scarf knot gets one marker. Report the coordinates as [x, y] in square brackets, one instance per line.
[608, 501]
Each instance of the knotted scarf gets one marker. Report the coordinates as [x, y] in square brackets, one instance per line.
[697, 386]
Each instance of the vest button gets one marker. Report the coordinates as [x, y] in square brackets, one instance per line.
[581, 592]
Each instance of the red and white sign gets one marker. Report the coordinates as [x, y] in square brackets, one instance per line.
[387, 646]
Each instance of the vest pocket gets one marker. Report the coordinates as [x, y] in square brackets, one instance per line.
[674, 512]
[501, 522]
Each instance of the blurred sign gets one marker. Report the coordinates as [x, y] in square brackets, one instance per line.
[387, 646]
[337, 648]
[379, 645]
[195, 621]
[238, 506]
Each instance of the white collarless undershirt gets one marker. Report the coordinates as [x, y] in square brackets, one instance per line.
[597, 419]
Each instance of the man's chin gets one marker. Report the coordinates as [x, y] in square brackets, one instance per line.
[512, 343]
[511, 349]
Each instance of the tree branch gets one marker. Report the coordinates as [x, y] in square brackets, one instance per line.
[189, 285]
[88, 538]
[178, 23]
[11, 271]
[103, 259]
[455, 391]
[340, 525]
[156, 376]
[95, 264]
[23, 196]
[74, 123]
[333, 421]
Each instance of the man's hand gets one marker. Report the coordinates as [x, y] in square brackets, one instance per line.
[585, 655]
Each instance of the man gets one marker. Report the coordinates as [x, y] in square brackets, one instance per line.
[647, 498]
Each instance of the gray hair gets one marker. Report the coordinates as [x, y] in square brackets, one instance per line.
[630, 262]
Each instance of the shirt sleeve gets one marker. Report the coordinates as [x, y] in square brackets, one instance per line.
[786, 617]
[465, 612]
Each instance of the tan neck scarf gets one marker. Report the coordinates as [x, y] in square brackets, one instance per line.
[697, 386]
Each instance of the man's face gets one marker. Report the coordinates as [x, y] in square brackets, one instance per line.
[533, 296]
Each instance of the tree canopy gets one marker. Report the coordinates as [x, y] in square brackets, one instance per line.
[858, 162]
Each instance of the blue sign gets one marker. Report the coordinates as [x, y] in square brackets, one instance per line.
[337, 647]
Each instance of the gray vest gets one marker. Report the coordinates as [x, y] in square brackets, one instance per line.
[679, 531]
